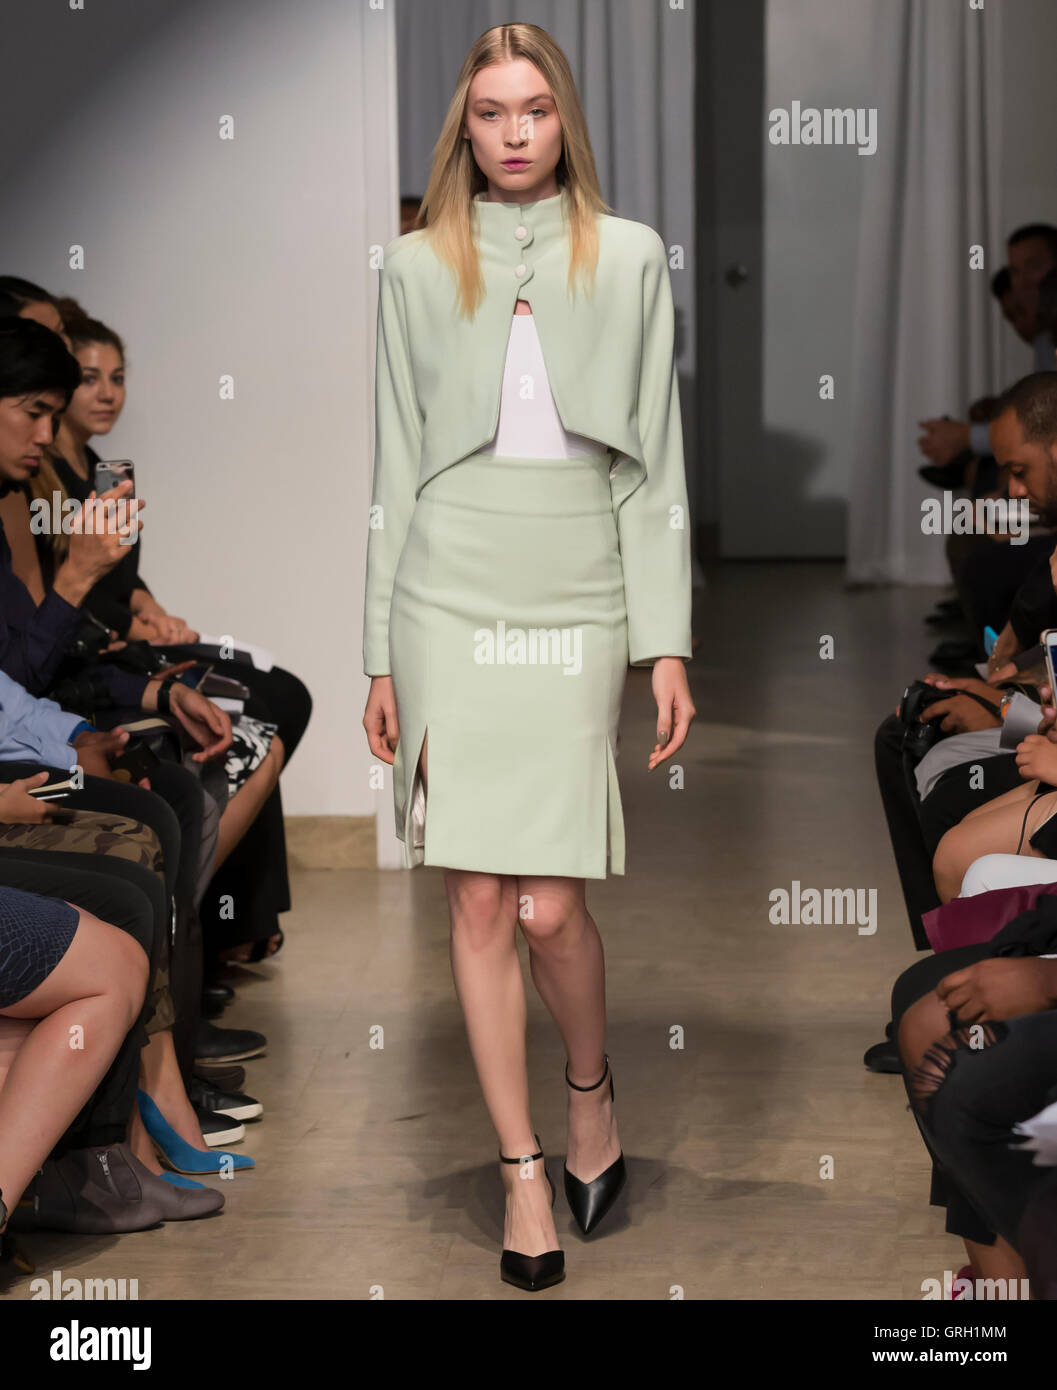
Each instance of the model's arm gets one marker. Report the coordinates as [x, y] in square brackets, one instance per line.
[397, 450]
[653, 523]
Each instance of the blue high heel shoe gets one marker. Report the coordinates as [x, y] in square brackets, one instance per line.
[181, 1156]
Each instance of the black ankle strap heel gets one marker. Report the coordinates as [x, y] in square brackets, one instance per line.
[589, 1201]
[532, 1272]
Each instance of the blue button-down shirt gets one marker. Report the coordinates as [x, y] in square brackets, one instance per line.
[35, 731]
[32, 637]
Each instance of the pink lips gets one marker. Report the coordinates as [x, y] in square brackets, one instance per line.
[515, 163]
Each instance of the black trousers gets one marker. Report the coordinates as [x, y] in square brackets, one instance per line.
[967, 1121]
[127, 896]
[916, 827]
[252, 886]
[990, 573]
[174, 810]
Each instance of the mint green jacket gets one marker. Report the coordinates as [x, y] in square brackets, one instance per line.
[611, 367]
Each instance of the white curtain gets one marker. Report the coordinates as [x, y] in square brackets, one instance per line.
[926, 337]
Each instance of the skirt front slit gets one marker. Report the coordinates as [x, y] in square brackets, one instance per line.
[508, 646]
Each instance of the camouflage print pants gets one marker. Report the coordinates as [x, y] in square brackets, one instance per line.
[97, 832]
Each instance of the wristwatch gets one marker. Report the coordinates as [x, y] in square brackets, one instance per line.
[164, 703]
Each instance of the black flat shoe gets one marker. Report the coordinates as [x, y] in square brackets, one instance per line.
[532, 1272]
[214, 1044]
[883, 1057]
[589, 1201]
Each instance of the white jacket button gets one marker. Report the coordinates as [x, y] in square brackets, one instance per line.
[519, 271]
[521, 233]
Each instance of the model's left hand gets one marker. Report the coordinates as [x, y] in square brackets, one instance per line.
[675, 709]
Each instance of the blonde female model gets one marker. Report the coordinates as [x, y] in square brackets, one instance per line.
[528, 541]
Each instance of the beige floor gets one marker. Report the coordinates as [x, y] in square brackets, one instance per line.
[376, 1166]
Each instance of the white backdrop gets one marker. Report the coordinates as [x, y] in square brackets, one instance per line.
[246, 257]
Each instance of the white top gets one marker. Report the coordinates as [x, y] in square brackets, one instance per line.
[529, 425]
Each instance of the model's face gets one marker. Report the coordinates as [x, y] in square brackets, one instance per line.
[27, 424]
[512, 125]
[100, 398]
[1031, 468]
[48, 315]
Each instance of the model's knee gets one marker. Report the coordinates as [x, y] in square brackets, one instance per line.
[482, 907]
[548, 917]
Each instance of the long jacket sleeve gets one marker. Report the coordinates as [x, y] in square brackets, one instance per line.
[397, 448]
[653, 523]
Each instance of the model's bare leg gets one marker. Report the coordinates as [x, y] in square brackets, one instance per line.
[569, 971]
[491, 992]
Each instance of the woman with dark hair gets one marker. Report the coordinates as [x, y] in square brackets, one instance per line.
[23, 299]
[529, 479]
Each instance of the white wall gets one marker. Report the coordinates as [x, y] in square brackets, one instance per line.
[210, 257]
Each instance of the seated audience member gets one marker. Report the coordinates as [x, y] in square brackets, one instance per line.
[61, 968]
[82, 859]
[275, 716]
[1031, 255]
[922, 811]
[36, 373]
[977, 1034]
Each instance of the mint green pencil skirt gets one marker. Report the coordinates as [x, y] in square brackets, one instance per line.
[508, 646]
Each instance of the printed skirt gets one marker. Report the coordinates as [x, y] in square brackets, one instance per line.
[508, 647]
[35, 934]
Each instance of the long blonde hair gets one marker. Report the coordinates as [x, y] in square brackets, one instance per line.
[446, 211]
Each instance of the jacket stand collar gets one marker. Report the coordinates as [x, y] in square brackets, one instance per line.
[519, 233]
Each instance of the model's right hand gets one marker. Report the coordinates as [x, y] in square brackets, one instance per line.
[380, 721]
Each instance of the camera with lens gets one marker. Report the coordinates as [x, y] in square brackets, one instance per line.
[920, 735]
